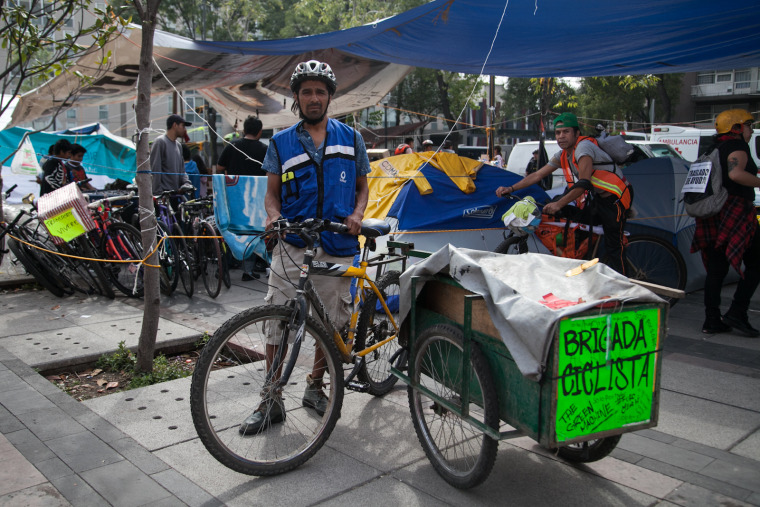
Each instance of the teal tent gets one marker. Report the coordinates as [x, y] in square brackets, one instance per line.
[107, 154]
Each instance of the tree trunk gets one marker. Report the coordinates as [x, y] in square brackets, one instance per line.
[443, 94]
[152, 299]
[662, 93]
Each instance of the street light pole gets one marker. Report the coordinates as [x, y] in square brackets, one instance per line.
[385, 119]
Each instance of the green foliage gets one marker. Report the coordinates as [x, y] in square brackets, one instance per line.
[121, 360]
[203, 340]
[522, 97]
[124, 360]
[427, 92]
[628, 98]
[163, 371]
[42, 39]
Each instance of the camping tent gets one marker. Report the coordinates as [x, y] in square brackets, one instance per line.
[108, 156]
[658, 209]
[440, 199]
[473, 36]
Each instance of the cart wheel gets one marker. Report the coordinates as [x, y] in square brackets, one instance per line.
[459, 452]
[592, 450]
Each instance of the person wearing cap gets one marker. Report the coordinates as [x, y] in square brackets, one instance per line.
[594, 183]
[731, 237]
[447, 147]
[316, 168]
[166, 161]
[427, 145]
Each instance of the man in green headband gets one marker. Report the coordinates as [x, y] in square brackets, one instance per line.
[595, 185]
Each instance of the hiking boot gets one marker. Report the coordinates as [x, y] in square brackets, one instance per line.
[714, 326]
[741, 324]
[270, 412]
[314, 397]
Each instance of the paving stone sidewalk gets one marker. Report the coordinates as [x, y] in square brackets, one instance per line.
[110, 451]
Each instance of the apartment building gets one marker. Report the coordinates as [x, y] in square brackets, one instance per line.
[705, 94]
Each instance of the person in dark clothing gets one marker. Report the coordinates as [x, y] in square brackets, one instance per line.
[731, 237]
[54, 169]
[244, 156]
[74, 167]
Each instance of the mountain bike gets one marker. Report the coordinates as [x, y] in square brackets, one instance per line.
[649, 258]
[231, 378]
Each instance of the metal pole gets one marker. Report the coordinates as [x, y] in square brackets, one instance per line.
[490, 131]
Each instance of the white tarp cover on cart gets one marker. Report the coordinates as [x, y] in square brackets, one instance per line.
[513, 287]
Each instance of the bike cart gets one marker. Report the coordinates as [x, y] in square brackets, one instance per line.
[601, 379]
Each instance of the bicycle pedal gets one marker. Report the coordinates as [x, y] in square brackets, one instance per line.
[361, 387]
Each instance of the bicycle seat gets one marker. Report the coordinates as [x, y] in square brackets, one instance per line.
[374, 227]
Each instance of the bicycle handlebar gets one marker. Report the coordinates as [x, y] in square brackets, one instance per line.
[96, 204]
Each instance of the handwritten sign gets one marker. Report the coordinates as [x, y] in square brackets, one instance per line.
[606, 372]
[699, 175]
[66, 225]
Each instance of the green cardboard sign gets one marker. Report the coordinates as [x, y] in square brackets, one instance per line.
[65, 225]
[606, 372]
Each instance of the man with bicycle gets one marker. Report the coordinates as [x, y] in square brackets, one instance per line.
[594, 182]
[315, 169]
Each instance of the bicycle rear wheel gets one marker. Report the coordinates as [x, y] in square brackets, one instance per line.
[375, 326]
[229, 383]
[122, 242]
[460, 453]
[655, 260]
[210, 260]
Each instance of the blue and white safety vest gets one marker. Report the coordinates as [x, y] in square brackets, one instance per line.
[311, 190]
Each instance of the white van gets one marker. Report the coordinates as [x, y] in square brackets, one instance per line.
[692, 142]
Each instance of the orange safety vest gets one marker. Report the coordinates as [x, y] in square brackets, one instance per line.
[607, 181]
[401, 149]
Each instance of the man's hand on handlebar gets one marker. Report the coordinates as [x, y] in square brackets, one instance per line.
[354, 223]
[504, 191]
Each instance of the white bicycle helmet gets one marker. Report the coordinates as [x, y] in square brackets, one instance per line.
[313, 69]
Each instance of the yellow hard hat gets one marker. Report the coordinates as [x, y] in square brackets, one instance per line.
[725, 121]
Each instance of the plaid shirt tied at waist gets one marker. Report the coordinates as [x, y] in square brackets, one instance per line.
[730, 231]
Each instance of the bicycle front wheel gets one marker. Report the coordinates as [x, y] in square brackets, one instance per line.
[210, 260]
[654, 260]
[374, 327]
[229, 384]
[461, 453]
[512, 245]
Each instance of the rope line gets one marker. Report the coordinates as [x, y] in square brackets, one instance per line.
[144, 261]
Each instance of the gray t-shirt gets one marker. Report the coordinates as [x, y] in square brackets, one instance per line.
[167, 165]
[586, 148]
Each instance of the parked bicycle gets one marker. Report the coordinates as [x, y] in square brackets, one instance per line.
[231, 378]
[205, 250]
[175, 258]
[120, 242]
[649, 258]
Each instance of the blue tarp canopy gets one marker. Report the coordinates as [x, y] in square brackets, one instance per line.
[518, 38]
[546, 38]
